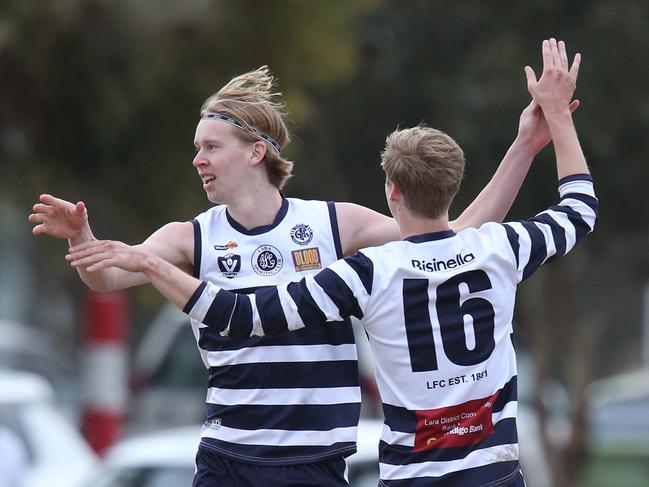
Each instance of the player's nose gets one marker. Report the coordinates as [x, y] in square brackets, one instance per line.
[199, 159]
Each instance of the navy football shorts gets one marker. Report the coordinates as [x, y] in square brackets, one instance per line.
[217, 471]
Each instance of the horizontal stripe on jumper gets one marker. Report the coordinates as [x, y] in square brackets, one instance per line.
[277, 455]
[320, 417]
[281, 354]
[493, 475]
[285, 397]
[333, 334]
[273, 375]
[477, 458]
[275, 437]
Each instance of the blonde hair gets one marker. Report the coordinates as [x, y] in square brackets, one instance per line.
[426, 165]
[249, 99]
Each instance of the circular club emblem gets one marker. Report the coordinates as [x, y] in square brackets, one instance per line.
[301, 234]
[267, 260]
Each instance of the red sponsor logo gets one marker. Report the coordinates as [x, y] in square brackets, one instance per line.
[461, 425]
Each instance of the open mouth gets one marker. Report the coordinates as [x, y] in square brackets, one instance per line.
[208, 179]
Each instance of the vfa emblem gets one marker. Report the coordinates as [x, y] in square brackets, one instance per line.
[229, 265]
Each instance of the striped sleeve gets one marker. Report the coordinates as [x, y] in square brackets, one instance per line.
[334, 294]
[555, 231]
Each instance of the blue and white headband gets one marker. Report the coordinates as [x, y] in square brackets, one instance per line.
[233, 121]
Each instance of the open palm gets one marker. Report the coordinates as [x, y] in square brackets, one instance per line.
[58, 218]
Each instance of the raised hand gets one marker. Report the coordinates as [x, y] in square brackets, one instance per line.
[533, 129]
[59, 218]
[555, 88]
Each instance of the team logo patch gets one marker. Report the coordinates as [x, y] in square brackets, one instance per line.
[227, 246]
[306, 259]
[267, 260]
[454, 426]
[301, 234]
[229, 265]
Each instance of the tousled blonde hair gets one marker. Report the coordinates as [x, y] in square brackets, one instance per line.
[426, 165]
[249, 98]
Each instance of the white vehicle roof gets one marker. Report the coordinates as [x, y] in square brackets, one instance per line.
[20, 387]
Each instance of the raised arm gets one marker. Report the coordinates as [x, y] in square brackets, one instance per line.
[553, 92]
[555, 231]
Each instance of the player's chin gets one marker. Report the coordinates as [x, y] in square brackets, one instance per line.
[214, 198]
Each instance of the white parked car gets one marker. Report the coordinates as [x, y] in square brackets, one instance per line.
[32, 349]
[166, 459]
[48, 450]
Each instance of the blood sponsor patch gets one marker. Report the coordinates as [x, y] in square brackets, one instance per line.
[306, 259]
[462, 425]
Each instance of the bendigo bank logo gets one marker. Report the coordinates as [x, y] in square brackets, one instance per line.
[306, 259]
[454, 426]
[229, 265]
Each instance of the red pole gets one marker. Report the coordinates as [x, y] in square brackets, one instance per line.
[106, 368]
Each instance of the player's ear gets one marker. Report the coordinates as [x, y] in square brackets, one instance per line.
[394, 193]
[257, 153]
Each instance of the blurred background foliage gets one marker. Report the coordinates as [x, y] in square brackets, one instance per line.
[99, 100]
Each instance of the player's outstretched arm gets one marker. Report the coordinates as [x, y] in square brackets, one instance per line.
[555, 231]
[173, 243]
[243, 315]
[101, 255]
[341, 290]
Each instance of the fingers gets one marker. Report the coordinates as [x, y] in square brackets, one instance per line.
[531, 78]
[41, 215]
[574, 104]
[80, 208]
[574, 69]
[555, 55]
[102, 265]
[90, 245]
[38, 229]
[91, 252]
[41, 208]
[37, 218]
[48, 199]
[78, 261]
[547, 55]
[93, 247]
[563, 55]
[554, 52]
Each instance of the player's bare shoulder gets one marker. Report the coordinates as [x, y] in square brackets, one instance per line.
[174, 242]
[362, 227]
